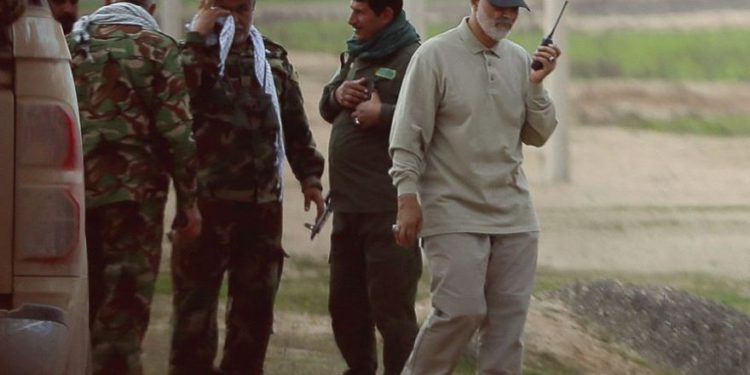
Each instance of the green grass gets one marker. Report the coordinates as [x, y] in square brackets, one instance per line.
[715, 55]
[534, 364]
[304, 35]
[86, 6]
[724, 126]
[706, 54]
[304, 287]
[304, 291]
[733, 293]
[699, 55]
[548, 364]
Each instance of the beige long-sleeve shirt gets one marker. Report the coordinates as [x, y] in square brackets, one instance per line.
[463, 112]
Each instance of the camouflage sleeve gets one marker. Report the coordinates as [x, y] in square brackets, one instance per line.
[306, 162]
[328, 107]
[174, 123]
[196, 60]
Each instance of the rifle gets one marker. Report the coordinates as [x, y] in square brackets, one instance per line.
[315, 228]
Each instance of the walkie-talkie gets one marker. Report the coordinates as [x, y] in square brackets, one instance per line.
[536, 65]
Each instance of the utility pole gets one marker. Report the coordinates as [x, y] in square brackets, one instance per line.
[415, 13]
[555, 152]
[170, 17]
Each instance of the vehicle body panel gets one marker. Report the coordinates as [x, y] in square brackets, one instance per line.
[7, 104]
[40, 76]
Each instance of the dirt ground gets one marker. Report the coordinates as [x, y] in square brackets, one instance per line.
[636, 201]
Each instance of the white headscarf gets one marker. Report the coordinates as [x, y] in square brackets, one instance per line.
[262, 73]
[113, 14]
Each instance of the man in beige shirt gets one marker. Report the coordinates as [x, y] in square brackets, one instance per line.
[468, 102]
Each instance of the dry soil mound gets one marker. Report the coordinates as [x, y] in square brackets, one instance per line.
[672, 328]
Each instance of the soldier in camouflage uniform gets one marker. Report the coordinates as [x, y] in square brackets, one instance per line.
[135, 123]
[239, 124]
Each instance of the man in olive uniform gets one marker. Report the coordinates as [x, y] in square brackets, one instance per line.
[135, 123]
[248, 117]
[373, 280]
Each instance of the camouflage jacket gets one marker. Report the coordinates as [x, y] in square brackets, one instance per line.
[236, 128]
[135, 118]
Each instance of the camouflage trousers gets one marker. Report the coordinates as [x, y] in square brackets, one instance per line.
[124, 251]
[242, 240]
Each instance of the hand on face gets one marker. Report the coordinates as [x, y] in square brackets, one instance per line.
[211, 10]
[207, 16]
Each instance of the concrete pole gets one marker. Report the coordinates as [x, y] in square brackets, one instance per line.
[555, 152]
[170, 18]
[415, 13]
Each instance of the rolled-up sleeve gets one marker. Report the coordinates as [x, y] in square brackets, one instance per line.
[413, 123]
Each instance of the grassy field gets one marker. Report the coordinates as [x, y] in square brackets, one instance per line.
[88, 5]
[723, 126]
[701, 55]
[713, 55]
[305, 285]
[304, 293]
[710, 55]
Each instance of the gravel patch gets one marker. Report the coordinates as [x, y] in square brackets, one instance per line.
[671, 328]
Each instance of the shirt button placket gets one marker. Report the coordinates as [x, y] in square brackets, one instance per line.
[487, 68]
[491, 84]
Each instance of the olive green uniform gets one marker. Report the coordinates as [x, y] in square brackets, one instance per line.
[373, 280]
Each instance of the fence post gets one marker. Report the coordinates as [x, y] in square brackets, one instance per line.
[415, 12]
[170, 15]
[555, 152]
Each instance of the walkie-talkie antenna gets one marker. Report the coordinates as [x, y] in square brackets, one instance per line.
[536, 65]
[565, 4]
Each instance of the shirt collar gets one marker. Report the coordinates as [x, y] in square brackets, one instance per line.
[472, 43]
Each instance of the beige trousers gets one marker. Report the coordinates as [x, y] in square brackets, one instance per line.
[479, 282]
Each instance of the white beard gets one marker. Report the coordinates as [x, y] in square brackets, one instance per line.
[494, 29]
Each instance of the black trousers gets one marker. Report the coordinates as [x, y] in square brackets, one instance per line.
[373, 284]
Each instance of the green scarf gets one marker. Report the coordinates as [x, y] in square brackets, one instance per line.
[399, 34]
